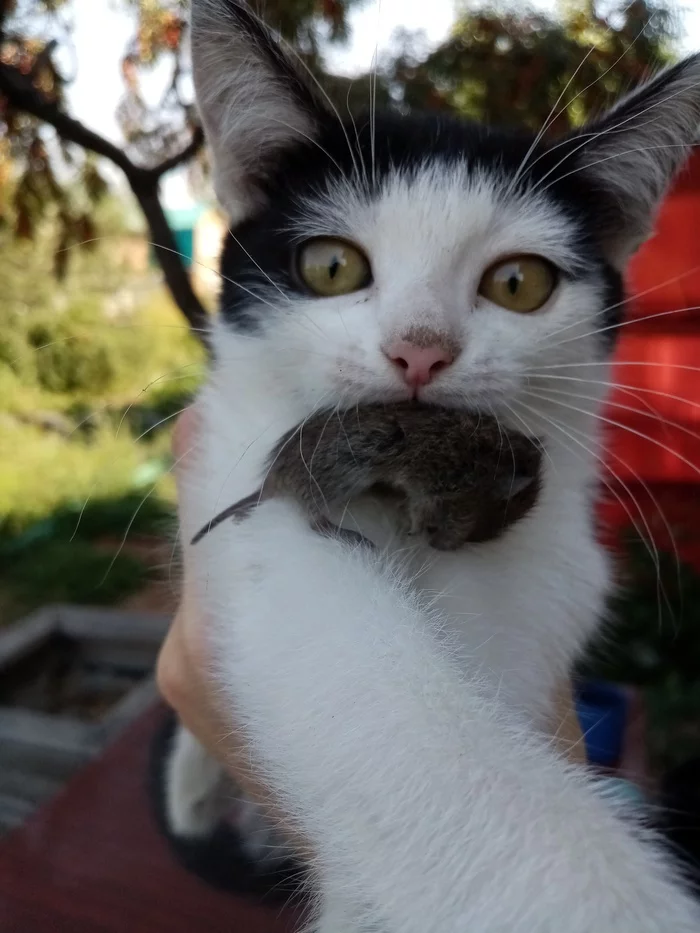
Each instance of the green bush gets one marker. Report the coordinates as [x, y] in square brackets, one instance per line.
[68, 362]
[90, 382]
[17, 355]
[71, 571]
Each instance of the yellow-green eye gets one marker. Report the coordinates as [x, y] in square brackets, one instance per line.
[521, 283]
[333, 267]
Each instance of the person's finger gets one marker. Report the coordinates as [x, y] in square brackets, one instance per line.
[184, 440]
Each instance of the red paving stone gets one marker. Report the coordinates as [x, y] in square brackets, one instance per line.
[91, 861]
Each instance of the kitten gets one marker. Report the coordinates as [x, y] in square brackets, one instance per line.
[395, 704]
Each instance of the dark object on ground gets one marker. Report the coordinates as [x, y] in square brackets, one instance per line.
[92, 860]
[219, 859]
[679, 817]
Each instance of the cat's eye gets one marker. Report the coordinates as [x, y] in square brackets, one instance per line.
[520, 283]
[329, 267]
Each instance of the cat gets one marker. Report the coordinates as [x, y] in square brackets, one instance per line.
[396, 704]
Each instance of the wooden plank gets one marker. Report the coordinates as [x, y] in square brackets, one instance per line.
[47, 731]
[13, 812]
[99, 623]
[22, 637]
[136, 702]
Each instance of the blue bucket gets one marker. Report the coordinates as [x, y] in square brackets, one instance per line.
[602, 710]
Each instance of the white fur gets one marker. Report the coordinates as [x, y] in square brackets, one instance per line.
[640, 144]
[395, 704]
[194, 787]
[246, 110]
[428, 801]
[199, 793]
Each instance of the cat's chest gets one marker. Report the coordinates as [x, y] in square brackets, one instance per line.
[519, 608]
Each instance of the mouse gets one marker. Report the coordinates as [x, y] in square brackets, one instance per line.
[457, 478]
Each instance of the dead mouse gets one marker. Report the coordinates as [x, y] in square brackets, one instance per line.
[461, 477]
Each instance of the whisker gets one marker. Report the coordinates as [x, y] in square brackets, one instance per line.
[135, 514]
[622, 386]
[606, 132]
[357, 137]
[625, 323]
[257, 264]
[295, 129]
[637, 411]
[549, 120]
[651, 363]
[141, 393]
[310, 465]
[82, 512]
[625, 427]
[552, 116]
[303, 460]
[317, 407]
[345, 434]
[529, 432]
[373, 98]
[290, 48]
[647, 538]
[615, 155]
[552, 119]
[197, 262]
[215, 510]
[649, 493]
[165, 420]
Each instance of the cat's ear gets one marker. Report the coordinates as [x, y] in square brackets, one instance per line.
[632, 153]
[254, 99]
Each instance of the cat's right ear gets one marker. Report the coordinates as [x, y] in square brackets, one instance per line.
[254, 100]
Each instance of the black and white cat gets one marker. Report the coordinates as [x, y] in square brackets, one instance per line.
[395, 704]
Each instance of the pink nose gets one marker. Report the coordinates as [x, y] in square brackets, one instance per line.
[418, 365]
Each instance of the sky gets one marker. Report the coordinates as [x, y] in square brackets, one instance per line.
[97, 89]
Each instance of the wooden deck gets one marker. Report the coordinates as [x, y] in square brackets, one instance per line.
[91, 861]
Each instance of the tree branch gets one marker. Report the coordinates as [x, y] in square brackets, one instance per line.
[180, 158]
[144, 183]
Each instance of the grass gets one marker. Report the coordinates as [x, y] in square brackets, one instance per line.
[85, 428]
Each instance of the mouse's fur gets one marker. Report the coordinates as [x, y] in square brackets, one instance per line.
[461, 478]
[394, 701]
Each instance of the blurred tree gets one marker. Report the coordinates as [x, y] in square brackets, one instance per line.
[509, 67]
[498, 65]
[34, 163]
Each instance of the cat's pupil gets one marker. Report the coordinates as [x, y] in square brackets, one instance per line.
[513, 284]
[333, 267]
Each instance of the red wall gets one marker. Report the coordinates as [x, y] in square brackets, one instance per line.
[658, 444]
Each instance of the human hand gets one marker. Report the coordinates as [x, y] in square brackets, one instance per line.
[183, 671]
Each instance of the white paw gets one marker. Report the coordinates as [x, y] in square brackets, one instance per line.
[194, 786]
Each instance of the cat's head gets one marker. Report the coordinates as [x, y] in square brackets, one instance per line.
[391, 257]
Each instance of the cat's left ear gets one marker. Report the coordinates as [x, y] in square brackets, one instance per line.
[633, 152]
[254, 99]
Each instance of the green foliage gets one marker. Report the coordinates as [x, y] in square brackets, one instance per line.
[73, 555]
[74, 573]
[90, 377]
[89, 339]
[71, 361]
